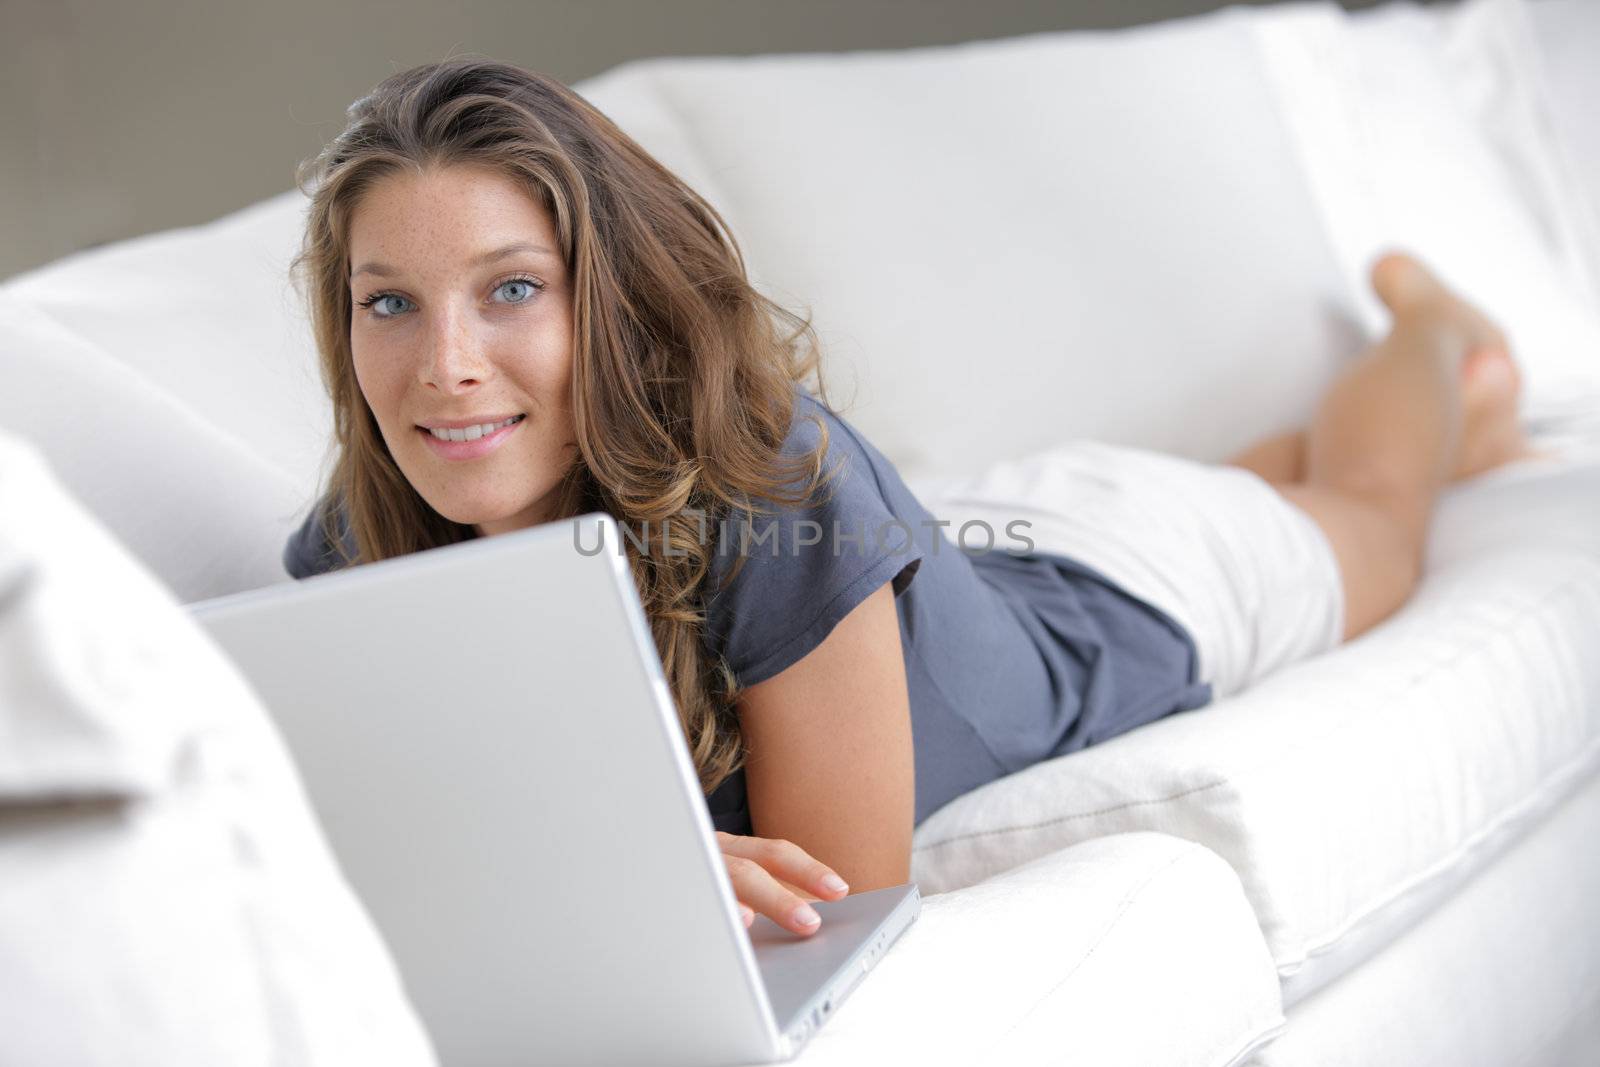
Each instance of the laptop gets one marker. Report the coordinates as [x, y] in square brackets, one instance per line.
[489, 742]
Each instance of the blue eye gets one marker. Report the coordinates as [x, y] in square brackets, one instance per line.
[530, 283]
[378, 297]
[533, 284]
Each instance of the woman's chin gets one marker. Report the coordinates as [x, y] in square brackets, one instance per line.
[487, 520]
[480, 506]
[474, 514]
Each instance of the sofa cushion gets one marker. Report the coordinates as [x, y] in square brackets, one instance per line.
[1353, 790]
[1507, 971]
[1133, 949]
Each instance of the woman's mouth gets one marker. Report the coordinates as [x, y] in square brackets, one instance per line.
[470, 442]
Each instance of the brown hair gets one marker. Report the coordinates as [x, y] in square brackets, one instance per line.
[683, 378]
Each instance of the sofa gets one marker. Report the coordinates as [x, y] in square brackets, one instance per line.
[1156, 236]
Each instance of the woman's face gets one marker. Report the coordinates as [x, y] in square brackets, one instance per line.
[467, 327]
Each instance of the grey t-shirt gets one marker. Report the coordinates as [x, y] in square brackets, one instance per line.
[1011, 657]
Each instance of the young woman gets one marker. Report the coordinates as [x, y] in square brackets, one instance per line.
[523, 317]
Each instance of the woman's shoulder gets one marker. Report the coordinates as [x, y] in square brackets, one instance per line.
[783, 575]
[846, 445]
[850, 486]
[846, 457]
[312, 550]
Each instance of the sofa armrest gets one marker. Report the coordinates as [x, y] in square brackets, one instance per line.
[166, 896]
[1136, 949]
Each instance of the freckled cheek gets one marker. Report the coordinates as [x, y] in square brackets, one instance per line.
[379, 384]
[539, 374]
[549, 370]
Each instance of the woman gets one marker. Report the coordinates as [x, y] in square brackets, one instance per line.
[523, 317]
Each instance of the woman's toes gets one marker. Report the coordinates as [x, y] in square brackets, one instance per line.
[1415, 295]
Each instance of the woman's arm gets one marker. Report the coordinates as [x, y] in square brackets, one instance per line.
[830, 758]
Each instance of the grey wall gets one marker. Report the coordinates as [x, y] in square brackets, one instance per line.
[121, 118]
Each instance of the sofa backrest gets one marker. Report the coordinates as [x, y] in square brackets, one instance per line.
[1155, 237]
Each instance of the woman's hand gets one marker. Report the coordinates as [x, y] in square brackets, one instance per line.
[772, 877]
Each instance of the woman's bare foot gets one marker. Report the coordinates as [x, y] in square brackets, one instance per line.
[1491, 381]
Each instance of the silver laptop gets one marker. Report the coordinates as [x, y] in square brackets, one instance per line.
[488, 739]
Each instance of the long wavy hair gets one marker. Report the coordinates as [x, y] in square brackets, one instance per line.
[683, 377]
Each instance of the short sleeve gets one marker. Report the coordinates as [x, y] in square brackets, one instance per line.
[806, 567]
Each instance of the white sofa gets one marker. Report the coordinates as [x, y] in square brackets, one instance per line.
[1157, 237]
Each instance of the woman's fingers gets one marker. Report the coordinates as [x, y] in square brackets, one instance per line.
[809, 898]
[787, 861]
[756, 888]
[771, 877]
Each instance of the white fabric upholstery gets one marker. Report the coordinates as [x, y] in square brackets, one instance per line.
[165, 895]
[170, 901]
[1356, 788]
[1307, 149]
[191, 500]
[1499, 974]
[1566, 32]
[206, 315]
[1133, 949]
[975, 335]
[1428, 130]
[982, 232]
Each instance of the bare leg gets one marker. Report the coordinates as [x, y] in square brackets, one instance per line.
[1491, 433]
[1278, 459]
[1433, 401]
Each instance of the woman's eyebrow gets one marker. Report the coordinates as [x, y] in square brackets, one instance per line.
[384, 271]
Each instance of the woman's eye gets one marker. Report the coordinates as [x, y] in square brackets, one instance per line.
[523, 290]
[377, 299]
[527, 287]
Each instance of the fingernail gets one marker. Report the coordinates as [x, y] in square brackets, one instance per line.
[804, 915]
[747, 914]
[833, 883]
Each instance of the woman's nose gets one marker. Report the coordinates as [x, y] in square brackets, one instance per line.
[454, 361]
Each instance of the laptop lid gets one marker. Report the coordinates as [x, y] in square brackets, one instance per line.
[486, 734]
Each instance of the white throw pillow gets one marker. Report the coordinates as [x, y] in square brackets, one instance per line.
[1007, 243]
[167, 897]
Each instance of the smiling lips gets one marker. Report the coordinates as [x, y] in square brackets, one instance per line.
[470, 440]
[472, 431]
